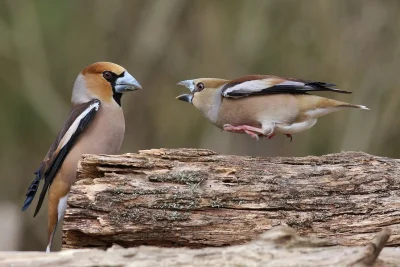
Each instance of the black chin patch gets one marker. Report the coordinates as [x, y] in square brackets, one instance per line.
[117, 97]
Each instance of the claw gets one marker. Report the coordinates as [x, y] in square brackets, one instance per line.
[253, 135]
[254, 132]
[289, 136]
[231, 128]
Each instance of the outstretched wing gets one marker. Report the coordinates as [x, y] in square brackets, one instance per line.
[262, 85]
[78, 120]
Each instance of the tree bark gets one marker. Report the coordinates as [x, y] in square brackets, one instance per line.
[280, 246]
[196, 198]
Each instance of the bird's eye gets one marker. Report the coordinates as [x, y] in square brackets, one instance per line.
[107, 75]
[200, 86]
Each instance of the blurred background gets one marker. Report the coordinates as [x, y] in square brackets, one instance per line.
[45, 44]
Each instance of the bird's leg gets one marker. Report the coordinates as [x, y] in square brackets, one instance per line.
[58, 195]
[268, 129]
[254, 132]
[234, 129]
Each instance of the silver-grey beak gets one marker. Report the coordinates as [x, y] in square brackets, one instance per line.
[188, 83]
[127, 83]
[186, 97]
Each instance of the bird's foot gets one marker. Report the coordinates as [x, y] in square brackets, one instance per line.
[234, 129]
[254, 132]
[253, 135]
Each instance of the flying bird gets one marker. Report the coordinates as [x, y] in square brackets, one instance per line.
[95, 125]
[262, 105]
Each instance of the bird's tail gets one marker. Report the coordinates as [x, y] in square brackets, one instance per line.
[338, 105]
[317, 106]
[346, 105]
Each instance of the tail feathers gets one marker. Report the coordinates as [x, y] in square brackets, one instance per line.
[353, 106]
[30, 195]
[324, 106]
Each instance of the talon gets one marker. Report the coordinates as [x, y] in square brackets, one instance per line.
[227, 127]
[289, 136]
[253, 135]
[250, 130]
[231, 128]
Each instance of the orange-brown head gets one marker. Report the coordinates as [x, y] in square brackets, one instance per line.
[105, 81]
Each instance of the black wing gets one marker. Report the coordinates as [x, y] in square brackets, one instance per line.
[81, 116]
[262, 85]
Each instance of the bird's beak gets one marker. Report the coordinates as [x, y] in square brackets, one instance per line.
[127, 83]
[188, 83]
[186, 97]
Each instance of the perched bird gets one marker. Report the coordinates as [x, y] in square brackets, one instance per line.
[95, 125]
[262, 105]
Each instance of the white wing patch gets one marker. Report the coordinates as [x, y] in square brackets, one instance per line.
[249, 86]
[71, 130]
[255, 86]
[300, 84]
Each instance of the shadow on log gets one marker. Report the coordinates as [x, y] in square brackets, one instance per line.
[196, 198]
[280, 246]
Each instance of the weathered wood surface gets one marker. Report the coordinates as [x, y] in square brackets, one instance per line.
[196, 198]
[280, 246]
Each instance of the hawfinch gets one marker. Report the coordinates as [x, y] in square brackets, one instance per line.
[262, 105]
[95, 125]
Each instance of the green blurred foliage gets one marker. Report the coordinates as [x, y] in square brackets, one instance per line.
[44, 45]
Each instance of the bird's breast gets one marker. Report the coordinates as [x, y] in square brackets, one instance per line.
[106, 133]
[103, 136]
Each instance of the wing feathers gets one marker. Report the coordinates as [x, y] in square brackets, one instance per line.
[30, 195]
[79, 119]
[72, 129]
[261, 85]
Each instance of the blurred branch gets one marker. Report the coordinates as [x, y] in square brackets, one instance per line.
[5, 44]
[154, 30]
[30, 54]
[248, 44]
[353, 127]
[101, 10]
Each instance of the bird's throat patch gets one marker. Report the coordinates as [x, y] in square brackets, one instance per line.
[117, 97]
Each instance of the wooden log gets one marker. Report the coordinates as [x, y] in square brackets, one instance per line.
[196, 198]
[280, 246]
